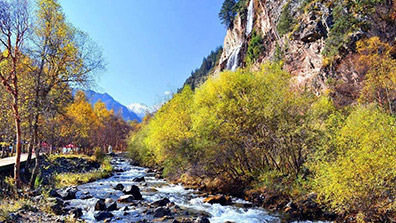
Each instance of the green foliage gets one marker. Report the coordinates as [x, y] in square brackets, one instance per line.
[200, 74]
[347, 18]
[227, 13]
[356, 174]
[73, 179]
[286, 21]
[255, 47]
[99, 155]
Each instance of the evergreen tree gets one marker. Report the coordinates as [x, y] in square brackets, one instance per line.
[227, 13]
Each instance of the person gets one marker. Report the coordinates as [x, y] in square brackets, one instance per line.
[110, 149]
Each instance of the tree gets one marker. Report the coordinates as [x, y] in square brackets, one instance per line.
[14, 26]
[380, 67]
[355, 175]
[227, 13]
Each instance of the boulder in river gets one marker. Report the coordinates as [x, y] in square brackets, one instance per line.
[54, 193]
[112, 207]
[161, 203]
[119, 187]
[161, 212]
[126, 199]
[100, 205]
[139, 179]
[76, 213]
[202, 220]
[134, 191]
[218, 199]
[102, 215]
[69, 193]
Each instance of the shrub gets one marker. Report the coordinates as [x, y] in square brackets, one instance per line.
[255, 47]
[356, 174]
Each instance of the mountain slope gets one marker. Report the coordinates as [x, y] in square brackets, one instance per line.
[111, 103]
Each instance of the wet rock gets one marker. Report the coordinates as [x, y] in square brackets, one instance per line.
[69, 193]
[100, 205]
[119, 187]
[161, 203]
[126, 199]
[161, 212]
[102, 215]
[218, 199]
[56, 205]
[139, 179]
[134, 191]
[158, 176]
[76, 213]
[54, 193]
[112, 207]
[86, 196]
[125, 208]
[108, 200]
[202, 220]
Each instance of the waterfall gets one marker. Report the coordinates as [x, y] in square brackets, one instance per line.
[233, 60]
[250, 15]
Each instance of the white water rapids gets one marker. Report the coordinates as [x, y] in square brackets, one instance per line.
[154, 189]
[250, 17]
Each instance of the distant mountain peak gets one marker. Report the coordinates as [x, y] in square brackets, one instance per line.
[141, 109]
[111, 103]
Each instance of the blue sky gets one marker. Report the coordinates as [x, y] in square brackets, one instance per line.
[150, 46]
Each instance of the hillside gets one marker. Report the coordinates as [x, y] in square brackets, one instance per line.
[111, 103]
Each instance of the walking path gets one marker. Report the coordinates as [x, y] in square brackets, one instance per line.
[11, 160]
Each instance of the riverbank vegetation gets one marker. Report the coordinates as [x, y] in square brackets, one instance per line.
[44, 60]
[250, 131]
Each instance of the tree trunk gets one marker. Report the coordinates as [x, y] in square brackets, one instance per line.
[17, 120]
[36, 167]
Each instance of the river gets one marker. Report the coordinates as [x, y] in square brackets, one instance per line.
[190, 201]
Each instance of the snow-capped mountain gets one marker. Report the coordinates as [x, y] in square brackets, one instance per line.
[141, 109]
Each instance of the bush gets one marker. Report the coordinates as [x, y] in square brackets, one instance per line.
[99, 154]
[356, 174]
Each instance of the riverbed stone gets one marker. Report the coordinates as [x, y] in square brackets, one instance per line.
[218, 199]
[161, 202]
[161, 212]
[139, 179]
[112, 207]
[100, 205]
[126, 199]
[202, 220]
[69, 193]
[76, 213]
[102, 215]
[134, 191]
[119, 187]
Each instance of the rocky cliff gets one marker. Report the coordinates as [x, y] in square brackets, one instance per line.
[299, 33]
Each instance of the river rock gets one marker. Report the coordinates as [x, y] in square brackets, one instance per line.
[112, 207]
[69, 193]
[218, 199]
[119, 187]
[161, 212]
[126, 199]
[161, 203]
[102, 215]
[134, 191]
[139, 179]
[76, 213]
[100, 205]
[54, 193]
[125, 208]
[202, 220]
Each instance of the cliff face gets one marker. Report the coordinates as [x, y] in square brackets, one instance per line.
[302, 46]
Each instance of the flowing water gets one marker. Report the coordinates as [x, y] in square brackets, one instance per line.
[154, 189]
[233, 60]
[250, 16]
